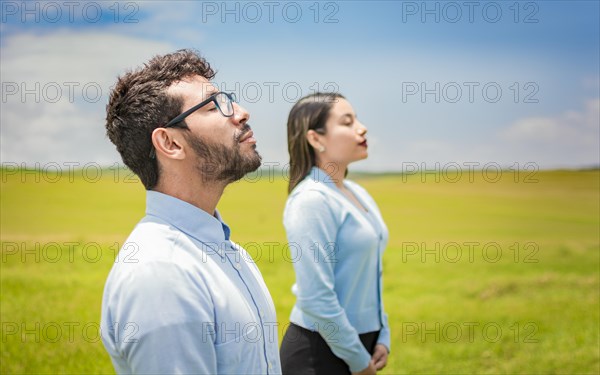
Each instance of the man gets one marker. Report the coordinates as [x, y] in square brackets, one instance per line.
[182, 297]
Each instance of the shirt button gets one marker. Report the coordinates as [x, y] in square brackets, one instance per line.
[238, 266]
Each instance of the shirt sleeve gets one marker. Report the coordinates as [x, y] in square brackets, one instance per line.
[163, 322]
[311, 228]
[384, 334]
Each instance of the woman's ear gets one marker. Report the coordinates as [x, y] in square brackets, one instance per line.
[314, 139]
[167, 144]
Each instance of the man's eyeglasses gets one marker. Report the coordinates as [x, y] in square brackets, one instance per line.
[223, 101]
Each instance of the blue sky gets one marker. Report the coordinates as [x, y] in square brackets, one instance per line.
[506, 82]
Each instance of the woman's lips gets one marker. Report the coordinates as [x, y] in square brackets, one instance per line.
[363, 143]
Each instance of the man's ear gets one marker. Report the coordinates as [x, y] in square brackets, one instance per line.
[314, 139]
[168, 144]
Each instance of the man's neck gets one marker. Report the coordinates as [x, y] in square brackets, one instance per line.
[191, 189]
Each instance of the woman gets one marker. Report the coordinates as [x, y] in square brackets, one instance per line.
[338, 324]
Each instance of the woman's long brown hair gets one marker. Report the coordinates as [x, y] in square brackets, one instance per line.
[309, 113]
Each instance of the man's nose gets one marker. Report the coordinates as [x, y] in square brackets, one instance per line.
[240, 114]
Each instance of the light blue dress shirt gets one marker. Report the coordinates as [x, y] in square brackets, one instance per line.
[337, 251]
[182, 298]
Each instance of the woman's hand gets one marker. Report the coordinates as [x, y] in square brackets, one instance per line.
[371, 370]
[379, 357]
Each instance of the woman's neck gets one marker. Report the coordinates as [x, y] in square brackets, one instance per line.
[336, 171]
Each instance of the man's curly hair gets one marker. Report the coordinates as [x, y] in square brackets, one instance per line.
[139, 103]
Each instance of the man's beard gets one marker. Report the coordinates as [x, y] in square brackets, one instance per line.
[220, 163]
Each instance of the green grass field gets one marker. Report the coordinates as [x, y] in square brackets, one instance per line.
[480, 277]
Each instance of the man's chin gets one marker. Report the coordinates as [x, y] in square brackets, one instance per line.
[255, 164]
[247, 165]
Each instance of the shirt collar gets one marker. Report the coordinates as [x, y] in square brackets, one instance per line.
[318, 175]
[187, 218]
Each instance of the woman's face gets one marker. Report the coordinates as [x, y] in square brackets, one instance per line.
[345, 140]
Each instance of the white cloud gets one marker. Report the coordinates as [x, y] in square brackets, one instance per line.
[46, 125]
[591, 82]
[570, 138]
[74, 55]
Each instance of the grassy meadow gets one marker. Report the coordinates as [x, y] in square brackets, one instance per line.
[481, 275]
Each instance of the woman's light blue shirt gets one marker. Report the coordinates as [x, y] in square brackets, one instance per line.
[337, 253]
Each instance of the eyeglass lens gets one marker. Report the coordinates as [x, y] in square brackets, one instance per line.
[225, 103]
